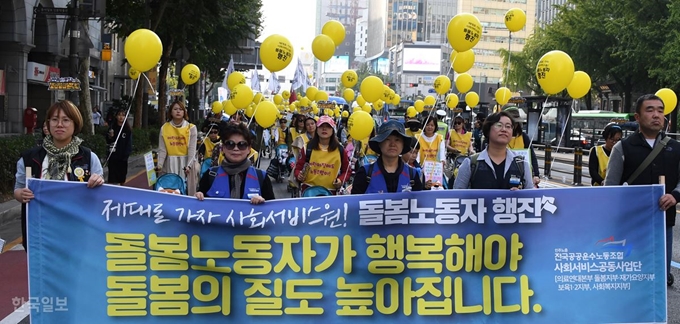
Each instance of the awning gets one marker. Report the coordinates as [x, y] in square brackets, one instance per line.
[37, 82]
[97, 88]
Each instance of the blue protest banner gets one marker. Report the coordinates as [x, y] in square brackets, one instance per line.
[120, 255]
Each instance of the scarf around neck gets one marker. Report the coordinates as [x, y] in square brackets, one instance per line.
[60, 158]
[235, 170]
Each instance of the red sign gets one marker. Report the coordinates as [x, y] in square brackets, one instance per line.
[41, 72]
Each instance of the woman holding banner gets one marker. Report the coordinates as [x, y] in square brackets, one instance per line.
[61, 157]
[235, 177]
[497, 166]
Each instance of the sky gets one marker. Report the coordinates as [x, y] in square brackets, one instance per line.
[296, 20]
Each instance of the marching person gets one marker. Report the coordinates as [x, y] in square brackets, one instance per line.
[599, 155]
[177, 145]
[235, 177]
[628, 164]
[120, 153]
[61, 157]
[496, 167]
[389, 173]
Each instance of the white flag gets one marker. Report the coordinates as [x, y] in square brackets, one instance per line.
[230, 69]
[300, 78]
[274, 86]
[255, 81]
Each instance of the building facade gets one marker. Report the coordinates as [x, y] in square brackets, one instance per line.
[546, 11]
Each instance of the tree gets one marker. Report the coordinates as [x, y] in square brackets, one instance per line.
[363, 71]
[207, 28]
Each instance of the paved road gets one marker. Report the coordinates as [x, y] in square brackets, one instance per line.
[13, 277]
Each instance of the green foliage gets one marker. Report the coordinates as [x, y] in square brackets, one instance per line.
[631, 43]
[143, 140]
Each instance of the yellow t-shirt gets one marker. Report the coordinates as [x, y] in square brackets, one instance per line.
[460, 142]
[323, 169]
[428, 151]
[176, 139]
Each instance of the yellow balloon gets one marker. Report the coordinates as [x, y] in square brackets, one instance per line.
[385, 96]
[249, 111]
[580, 85]
[336, 111]
[285, 94]
[464, 82]
[190, 74]
[348, 94]
[360, 100]
[321, 96]
[503, 95]
[315, 109]
[411, 112]
[471, 99]
[229, 107]
[323, 47]
[234, 79]
[419, 105]
[397, 99]
[334, 30]
[258, 98]
[143, 49]
[310, 93]
[371, 88]
[216, 107]
[515, 19]
[349, 78]
[430, 101]
[464, 31]
[367, 108]
[133, 74]
[442, 84]
[292, 107]
[554, 71]
[463, 61]
[452, 101]
[359, 125]
[378, 105]
[304, 102]
[278, 99]
[276, 52]
[669, 98]
[265, 114]
[241, 96]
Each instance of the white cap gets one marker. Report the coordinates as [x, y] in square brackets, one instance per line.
[441, 113]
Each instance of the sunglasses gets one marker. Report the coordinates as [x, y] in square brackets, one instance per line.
[230, 145]
[213, 132]
[458, 123]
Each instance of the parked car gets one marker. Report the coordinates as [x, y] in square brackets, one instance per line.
[576, 140]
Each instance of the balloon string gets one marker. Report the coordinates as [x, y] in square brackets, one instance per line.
[149, 82]
[127, 113]
[507, 70]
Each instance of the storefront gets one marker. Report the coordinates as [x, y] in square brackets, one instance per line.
[38, 77]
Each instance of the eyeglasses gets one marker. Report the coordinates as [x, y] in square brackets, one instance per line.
[64, 121]
[230, 145]
[500, 126]
[213, 132]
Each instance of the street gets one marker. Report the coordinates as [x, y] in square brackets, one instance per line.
[14, 290]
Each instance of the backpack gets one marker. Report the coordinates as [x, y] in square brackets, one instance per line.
[474, 166]
[212, 173]
[412, 174]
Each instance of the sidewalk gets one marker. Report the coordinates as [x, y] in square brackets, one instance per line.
[10, 211]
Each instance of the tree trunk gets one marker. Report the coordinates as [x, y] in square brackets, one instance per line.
[163, 82]
[85, 106]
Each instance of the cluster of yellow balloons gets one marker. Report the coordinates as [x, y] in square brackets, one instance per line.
[332, 35]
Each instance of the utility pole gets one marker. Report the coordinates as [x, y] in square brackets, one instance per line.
[73, 50]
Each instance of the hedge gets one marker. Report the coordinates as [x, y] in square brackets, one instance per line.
[12, 147]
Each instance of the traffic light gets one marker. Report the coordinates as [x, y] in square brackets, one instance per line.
[411, 85]
[388, 84]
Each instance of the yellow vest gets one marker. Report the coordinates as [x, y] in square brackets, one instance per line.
[176, 139]
[442, 128]
[323, 169]
[460, 142]
[294, 133]
[365, 149]
[413, 134]
[428, 151]
[282, 136]
[209, 146]
[516, 142]
[602, 160]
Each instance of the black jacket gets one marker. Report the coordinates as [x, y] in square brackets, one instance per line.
[636, 149]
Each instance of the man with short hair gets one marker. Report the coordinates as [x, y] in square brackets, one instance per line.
[628, 155]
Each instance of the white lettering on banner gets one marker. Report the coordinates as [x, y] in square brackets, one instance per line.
[454, 211]
[132, 209]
